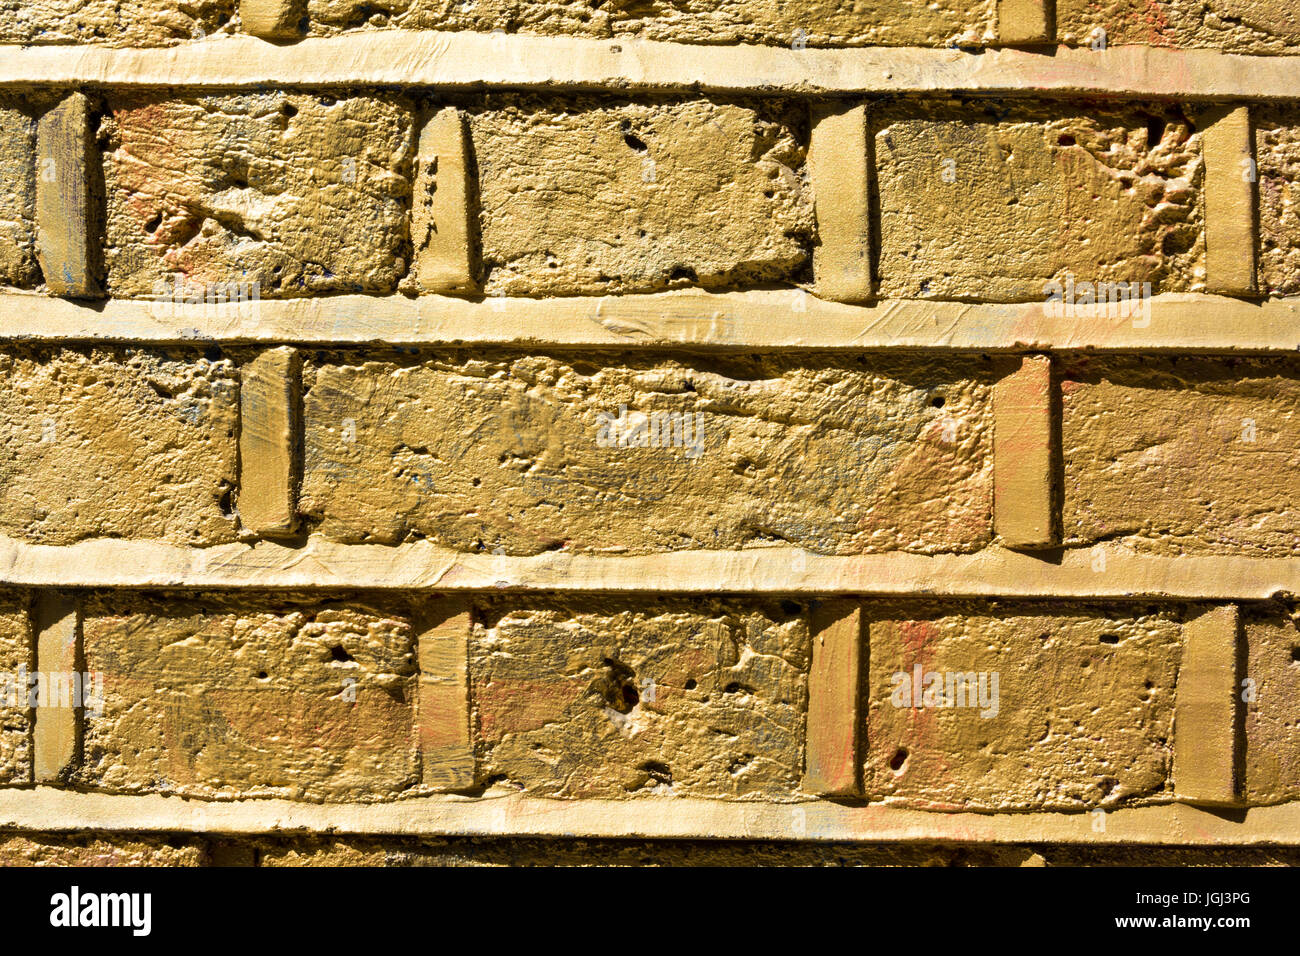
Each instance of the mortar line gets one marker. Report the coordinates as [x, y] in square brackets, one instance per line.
[476, 61]
[1104, 572]
[53, 810]
[769, 319]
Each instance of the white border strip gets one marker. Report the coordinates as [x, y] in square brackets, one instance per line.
[421, 566]
[48, 809]
[768, 319]
[477, 60]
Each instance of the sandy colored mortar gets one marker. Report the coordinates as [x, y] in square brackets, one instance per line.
[1182, 455]
[222, 699]
[503, 454]
[988, 202]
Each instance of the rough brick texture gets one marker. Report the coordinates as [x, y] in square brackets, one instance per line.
[1237, 26]
[1182, 455]
[1277, 158]
[116, 22]
[245, 697]
[17, 197]
[598, 700]
[100, 850]
[1083, 714]
[1271, 700]
[814, 22]
[119, 444]
[302, 194]
[1098, 193]
[591, 196]
[15, 660]
[481, 454]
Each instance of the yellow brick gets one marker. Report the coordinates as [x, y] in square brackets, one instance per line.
[65, 220]
[1230, 232]
[444, 218]
[273, 19]
[838, 165]
[1023, 21]
[1023, 453]
[57, 729]
[831, 763]
[1205, 718]
[446, 751]
[269, 403]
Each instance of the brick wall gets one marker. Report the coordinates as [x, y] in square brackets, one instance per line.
[579, 448]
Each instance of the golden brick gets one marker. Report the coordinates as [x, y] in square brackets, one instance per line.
[1024, 455]
[269, 426]
[1205, 716]
[831, 758]
[1230, 173]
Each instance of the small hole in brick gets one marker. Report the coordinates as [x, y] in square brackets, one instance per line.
[288, 109]
[900, 757]
[659, 772]
[1155, 131]
[1110, 638]
[634, 142]
[938, 401]
[691, 685]
[1295, 654]
[630, 697]
[262, 675]
[1065, 139]
[338, 653]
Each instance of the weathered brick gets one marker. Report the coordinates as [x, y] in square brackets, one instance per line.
[1083, 716]
[223, 698]
[1182, 455]
[116, 443]
[588, 195]
[990, 202]
[112, 22]
[834, 455]
[16, 661]
[301, 194]
[1271, 700]
[1237, 26]
[17, 197]
[816, 22]
[1277, 158]
[601, 699]
[42, 849]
